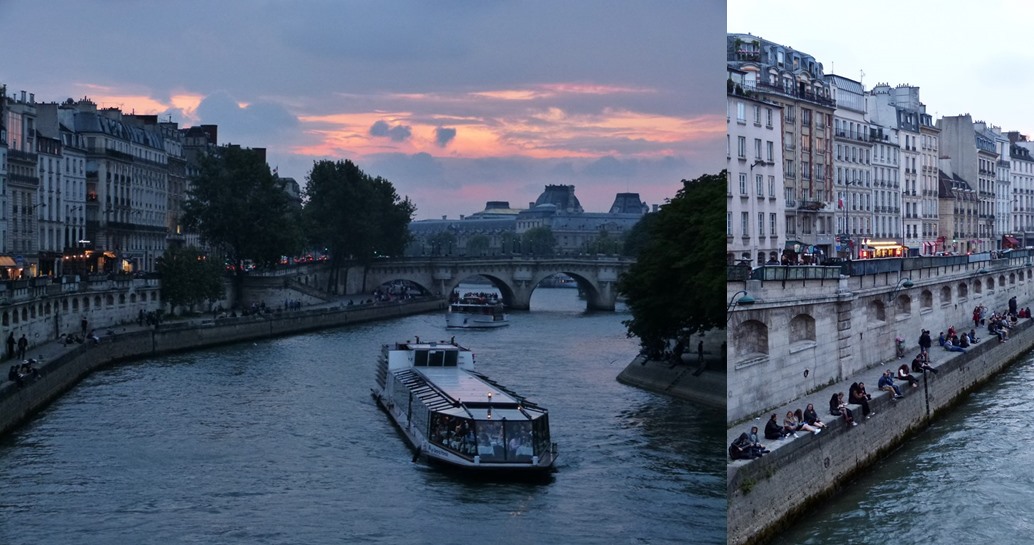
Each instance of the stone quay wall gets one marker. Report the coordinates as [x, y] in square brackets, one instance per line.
[67, 366]
[769, 493]
[802, 335]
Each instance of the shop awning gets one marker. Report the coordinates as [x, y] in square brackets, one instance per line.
[7, 261]
[1011, 242]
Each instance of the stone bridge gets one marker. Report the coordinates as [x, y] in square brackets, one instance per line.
[515, 277]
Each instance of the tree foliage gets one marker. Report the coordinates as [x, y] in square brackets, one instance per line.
[241, 209]
[356, 216]
[677, 285]
[538, 241]
[605, 243]
[188, 277]
[478, 245]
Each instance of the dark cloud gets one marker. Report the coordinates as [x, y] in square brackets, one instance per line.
[444, 135]
[397, 133]
[260, 124]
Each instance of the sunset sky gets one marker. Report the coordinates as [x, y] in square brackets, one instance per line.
[456, 103]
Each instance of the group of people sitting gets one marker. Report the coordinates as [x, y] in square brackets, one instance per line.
[20, 373]
[747, 446]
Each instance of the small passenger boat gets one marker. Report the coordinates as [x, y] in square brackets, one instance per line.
[454, 415]
[476, 311]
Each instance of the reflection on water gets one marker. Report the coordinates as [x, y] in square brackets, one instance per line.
[279, 441]
[965, 479]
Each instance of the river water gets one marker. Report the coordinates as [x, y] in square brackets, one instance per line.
[279, 441]
[965, 479]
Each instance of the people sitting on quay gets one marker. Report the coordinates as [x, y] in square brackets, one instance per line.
[14, 376]
[812, 417]
[921, 364]
[973, 339]
[904, 374]
[773, 430]
[952, 344]
[856, 395]
[747, 446]
[791, 425]
[838, 407]
[887, 383]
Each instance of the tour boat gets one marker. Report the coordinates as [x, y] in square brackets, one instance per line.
[476, 311]
[451, 414]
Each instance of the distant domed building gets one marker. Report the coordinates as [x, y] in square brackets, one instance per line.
[556, 208]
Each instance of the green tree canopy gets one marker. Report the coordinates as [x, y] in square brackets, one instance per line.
[240, 209]
[677, 285]
[477, 245]
[356, 216]
[189, 277]
[605, 243]
[538, 241]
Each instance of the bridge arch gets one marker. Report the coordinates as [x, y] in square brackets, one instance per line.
[515, 277]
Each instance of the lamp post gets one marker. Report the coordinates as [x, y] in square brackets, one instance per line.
[745, 300]
[902, 283]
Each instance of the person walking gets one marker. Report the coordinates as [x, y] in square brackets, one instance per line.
[23, 345]
[10, 345]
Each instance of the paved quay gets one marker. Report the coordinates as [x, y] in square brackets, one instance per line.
[768, 493]
[681, 381]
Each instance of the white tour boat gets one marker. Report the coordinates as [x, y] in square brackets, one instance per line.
[476, 311]
[454, 415]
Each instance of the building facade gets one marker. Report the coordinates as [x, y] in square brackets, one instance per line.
[755, 199]
[794, 81]
[852, 160]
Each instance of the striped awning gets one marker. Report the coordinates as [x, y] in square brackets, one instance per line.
[7, 261]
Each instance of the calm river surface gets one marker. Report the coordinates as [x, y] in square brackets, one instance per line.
[279, 441]
[966, 479]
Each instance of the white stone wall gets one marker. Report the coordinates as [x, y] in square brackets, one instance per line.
[849, 337]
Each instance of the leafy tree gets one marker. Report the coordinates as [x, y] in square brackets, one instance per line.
[677, 285]
[189, 277]
[509, 242]
[442, 243]
[477, 245]
[240, 209]
[539, 241]
[357, 216]
[604, 243]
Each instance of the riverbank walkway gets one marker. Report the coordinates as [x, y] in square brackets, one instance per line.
[53, 349]
[881, 400]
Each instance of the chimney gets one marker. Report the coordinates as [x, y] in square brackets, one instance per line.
[656, 207]
[32, 98]
[23, 96]
[461, 216]
[444, 218]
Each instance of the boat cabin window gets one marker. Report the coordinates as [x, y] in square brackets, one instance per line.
[435, 358]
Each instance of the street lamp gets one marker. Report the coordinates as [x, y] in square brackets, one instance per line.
[745, 300]
[903, 283]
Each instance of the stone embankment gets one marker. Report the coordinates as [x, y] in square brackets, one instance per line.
[768, 493]
[707, 388]
[62, 366]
